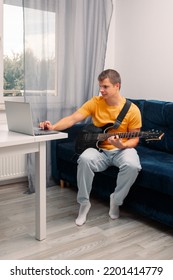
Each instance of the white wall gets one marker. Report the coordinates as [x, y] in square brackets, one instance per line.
[141, 47]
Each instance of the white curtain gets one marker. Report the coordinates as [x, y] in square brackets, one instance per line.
[65, 45]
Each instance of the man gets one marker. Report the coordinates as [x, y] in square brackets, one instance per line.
[114, 151]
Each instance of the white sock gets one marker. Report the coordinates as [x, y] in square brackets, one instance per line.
[83, 211]
[114, 209]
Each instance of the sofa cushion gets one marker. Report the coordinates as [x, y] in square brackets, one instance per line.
[156, 167]
[156, 170]
[66, 151]
[158, 115]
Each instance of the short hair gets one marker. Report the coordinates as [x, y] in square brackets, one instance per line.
[112, 75]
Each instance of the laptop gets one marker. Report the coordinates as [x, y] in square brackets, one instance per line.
[19, 119]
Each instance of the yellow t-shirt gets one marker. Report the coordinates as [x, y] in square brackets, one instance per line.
[103, 114]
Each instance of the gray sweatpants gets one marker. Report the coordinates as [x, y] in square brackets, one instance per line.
[91, 160]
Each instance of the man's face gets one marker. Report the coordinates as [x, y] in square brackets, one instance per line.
[107, 89]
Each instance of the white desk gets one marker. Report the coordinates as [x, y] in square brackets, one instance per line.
[15, 143]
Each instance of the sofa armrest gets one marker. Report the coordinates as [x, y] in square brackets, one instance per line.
[72, 134]
[73, 131]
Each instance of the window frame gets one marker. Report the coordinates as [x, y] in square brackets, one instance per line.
[1, 55]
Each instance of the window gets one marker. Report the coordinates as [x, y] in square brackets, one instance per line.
[39, 48]
[13, 77]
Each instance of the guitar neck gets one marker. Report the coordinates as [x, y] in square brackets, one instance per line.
[104, 136]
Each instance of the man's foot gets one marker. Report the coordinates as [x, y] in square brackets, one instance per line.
[83, 211]
[114, 209]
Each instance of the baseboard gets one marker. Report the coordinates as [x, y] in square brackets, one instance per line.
[12, 181]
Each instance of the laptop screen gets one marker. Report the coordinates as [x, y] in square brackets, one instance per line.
[19, 117]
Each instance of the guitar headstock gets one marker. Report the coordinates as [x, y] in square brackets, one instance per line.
[153, 135]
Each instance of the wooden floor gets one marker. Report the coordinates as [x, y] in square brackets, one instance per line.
[130, 237]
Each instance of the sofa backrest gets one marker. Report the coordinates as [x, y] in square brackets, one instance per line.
[157, 115]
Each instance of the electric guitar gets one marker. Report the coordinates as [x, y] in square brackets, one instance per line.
[91, 136]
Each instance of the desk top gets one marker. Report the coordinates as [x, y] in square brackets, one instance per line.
[9, 138]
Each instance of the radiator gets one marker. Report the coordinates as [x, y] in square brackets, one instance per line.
[12, 167]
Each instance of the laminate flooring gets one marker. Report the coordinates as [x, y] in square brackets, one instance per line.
[131, 237]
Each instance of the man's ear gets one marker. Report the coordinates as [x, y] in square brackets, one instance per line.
[117, 85]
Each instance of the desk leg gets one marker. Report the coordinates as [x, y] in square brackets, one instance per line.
[40, 192]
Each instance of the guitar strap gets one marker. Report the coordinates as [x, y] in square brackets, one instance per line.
[122, 114]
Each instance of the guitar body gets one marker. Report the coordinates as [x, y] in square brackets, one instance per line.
[88, 137]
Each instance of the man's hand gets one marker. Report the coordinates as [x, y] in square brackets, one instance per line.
[46, 125]
[117, 142]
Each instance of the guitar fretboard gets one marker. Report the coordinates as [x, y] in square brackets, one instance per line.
[104, 136]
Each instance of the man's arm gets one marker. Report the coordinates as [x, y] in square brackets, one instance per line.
[64, 122]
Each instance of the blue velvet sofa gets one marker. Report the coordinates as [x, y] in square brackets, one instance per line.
[152, 193]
